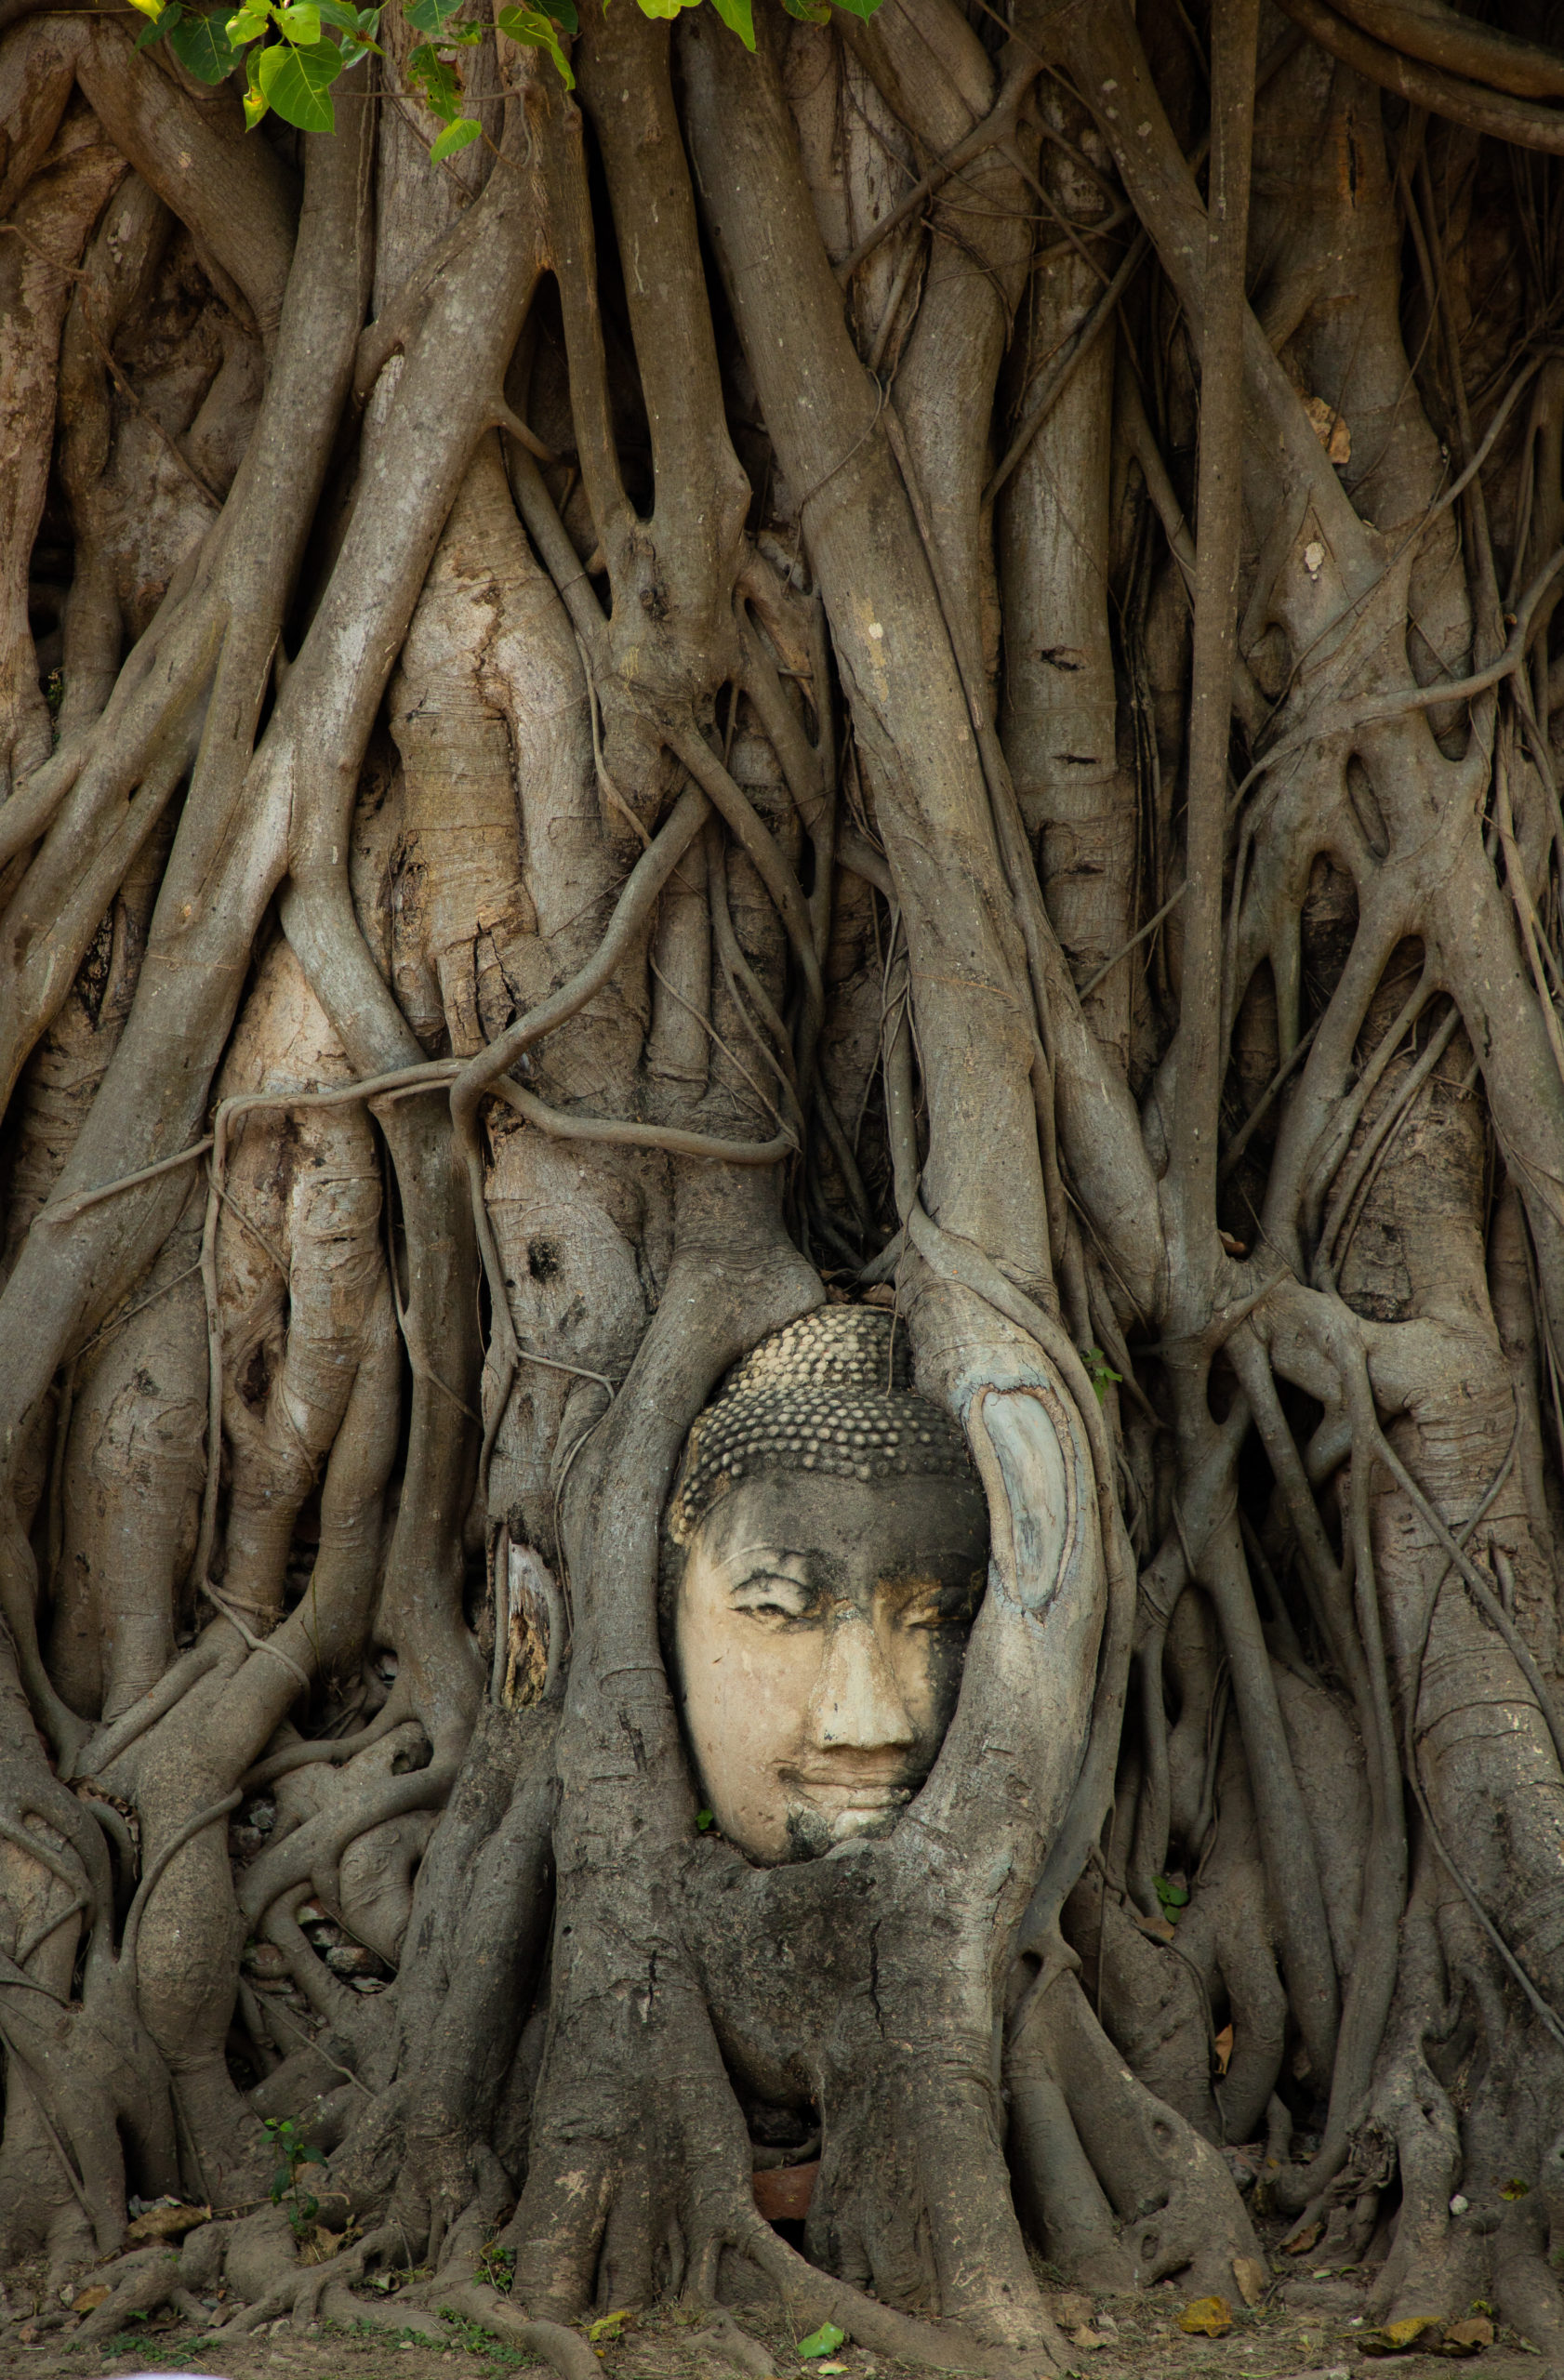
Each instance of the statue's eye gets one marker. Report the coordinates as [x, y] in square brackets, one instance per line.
[774, 1597]
[946, 1607]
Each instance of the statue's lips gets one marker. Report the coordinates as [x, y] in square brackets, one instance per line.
[829, 1790]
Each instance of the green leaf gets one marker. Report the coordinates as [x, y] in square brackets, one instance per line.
[666, 7]
[1516, 2188]
[536, 32]
[201, 43]
[431, 16]
[703, 1821]
[246, 25]
[355, 27]
[300, 25]
[564, 16]
[460, 134]
[859, 7]
[163, 21]
[295, 82]
[153, 8]
[1170, 1895]
[1103, 1375]
[740, 19]
[433, 81]
[825, 2341]
[809, 12]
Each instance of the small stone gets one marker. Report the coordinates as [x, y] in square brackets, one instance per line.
[351, 1958]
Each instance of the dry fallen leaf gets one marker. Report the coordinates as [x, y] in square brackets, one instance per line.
[1251, 2277]
[1330, 428]
[164, 2223]
[1300, 2244]
[1468, 2337]
[1208, 2317]
[86, 2299]
[1086, 2337]
[1396, 2338]
[1223, 2041]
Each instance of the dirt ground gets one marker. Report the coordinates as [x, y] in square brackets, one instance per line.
[1314, 2330]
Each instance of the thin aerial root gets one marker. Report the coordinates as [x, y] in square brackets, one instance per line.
[615, 1134]
[159, 1865]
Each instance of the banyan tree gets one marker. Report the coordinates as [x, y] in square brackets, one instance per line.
[782, 1006]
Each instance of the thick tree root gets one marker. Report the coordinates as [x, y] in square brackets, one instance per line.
[564, 2351]
[1137, 2148]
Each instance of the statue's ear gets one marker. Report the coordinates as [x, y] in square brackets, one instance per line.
[1026, 1462]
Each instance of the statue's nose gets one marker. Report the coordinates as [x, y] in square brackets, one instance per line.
[857, 1704]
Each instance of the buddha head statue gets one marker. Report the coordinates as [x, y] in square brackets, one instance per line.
[826, 1548]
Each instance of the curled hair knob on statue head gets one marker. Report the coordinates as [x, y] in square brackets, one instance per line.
[831, 1393]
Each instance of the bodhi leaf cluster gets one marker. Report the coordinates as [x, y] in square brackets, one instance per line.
[291, 51]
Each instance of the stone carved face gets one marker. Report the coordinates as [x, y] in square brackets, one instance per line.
[819, 1630]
